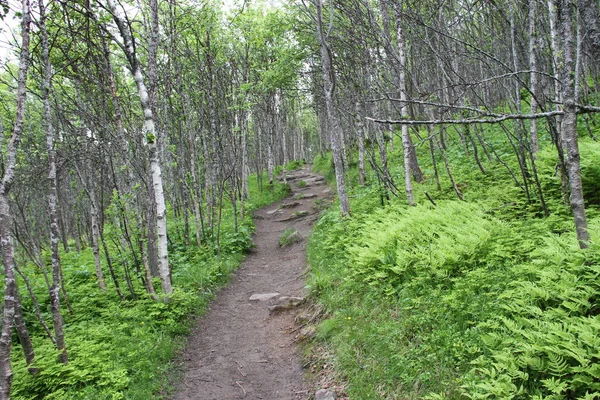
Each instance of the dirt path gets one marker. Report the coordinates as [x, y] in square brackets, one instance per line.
[240, 349]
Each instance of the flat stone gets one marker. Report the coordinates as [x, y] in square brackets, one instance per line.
[290, 300]
[290, 205]
[286, 303]
[324, 394]
[293, 238]
[295, 177]
[263, 296]
[271, 212]
[297, 214]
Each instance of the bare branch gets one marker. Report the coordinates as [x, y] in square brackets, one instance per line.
[499, 118]
[587, 109]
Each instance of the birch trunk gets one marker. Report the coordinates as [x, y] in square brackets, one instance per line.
[8, 255]
[245, 167]
[23, 334]
[52, 194]
[569, 122]
[406, 141]
[332, 117]
[360, 133]
[270, 130]
[151, 137]
[96, 247]
[196, 197]
[533, 75]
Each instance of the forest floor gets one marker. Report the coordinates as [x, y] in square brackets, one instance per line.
[245, 347]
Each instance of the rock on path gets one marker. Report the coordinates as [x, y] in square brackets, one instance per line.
[239, 349]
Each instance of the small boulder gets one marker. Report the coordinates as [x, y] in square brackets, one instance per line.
[263, 296]
[324, 394]
[290, 239]
[285, 303]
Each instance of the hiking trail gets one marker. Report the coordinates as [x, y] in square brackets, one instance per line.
[245, 347]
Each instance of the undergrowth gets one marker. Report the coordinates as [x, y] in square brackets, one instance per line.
[125, 349]
[475, 299]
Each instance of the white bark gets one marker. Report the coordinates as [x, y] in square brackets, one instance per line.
[406, 142]
[245, 167]
[8, 256]
[332, 116]
[360, 132]
[151, 137]
[96, 247]
[270, 144]
[555, 46]
[533, 76]
[52, 195]
[569, 122]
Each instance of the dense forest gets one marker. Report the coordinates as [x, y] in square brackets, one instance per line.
[458, 261]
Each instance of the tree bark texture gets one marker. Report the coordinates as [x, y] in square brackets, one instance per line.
[52, 193]
[151, 138]
[8, 252]
[332, 117]
[569, 121]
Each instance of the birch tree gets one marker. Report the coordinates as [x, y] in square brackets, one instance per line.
[332, 116]
[57, 319]
[151, 138]
[8, 252]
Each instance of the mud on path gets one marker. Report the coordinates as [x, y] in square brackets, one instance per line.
[241, 349]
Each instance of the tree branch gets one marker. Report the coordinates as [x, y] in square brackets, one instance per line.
[495, 120]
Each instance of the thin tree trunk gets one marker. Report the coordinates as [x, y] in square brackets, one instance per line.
[36, 304]
[558, 97]
[110, 267]
[360, 133]
[151, 137]
[569, 122]
[52, 195]
[96, 247]
[8, 256]
[151, 224]
[245, 167]
[533, 75]
[433, 160]
[332, 117]
[270, 130]
[406, 141]
[448, 170]
[23, 334]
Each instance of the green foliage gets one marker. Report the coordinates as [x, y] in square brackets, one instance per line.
[323, 164]
[545, 342]
[294, 165]
[268, 194]
[301, 184]
[481, 299]
[590, 172]
[124, 349]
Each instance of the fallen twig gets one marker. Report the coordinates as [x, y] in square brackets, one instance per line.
[237, 383]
